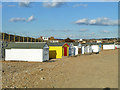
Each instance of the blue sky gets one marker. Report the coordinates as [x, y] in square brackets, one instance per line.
[61, 20]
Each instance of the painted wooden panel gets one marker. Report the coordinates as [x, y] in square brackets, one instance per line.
[95, 48]
[65, 50]
[52, 54]
[79, 50]
[76, 50]
[35, 55]
[55, 51]
[106, 47]
[45, 53]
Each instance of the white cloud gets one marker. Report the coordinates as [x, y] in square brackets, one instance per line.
[53, 3]
[26, 3]
[106, 31]
[18, 19]
[83, 30]
[98, 22]
[79, 5]
[31, 18]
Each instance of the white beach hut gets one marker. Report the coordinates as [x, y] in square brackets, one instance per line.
[95, 47]
[35, 52]
[118, 45]
[86, 49]
[77, 47]
[108, 46]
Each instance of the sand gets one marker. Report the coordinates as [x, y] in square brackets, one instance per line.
[84, 71]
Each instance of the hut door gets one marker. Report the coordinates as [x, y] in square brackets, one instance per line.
[65, 51]
[79, 51]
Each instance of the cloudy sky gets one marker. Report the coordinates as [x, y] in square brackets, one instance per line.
[61, 19]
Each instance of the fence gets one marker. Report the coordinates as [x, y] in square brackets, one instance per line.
[16, 38]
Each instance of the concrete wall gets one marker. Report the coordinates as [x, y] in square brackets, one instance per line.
[24, 55]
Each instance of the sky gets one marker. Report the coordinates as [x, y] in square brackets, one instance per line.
[76, 20]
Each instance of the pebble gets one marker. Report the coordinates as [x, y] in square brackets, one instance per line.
[42, 78]
[41, 69]
[3, 71]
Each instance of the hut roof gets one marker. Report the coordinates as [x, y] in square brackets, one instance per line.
[75, 43]
[107, 43]
[59, 44]
[26, 45]
[55, 44]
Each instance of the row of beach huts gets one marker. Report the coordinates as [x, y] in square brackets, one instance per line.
[42, 51]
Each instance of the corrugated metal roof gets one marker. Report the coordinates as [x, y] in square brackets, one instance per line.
[26, 45]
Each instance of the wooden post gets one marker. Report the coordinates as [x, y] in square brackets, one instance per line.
[31, 39]
[9, 37]
[14, 38]
[19, 38]
[3, 36]
[35, 40]
[27, 39]
[23, 39]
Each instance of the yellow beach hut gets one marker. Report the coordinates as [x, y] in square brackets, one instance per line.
[57, 50]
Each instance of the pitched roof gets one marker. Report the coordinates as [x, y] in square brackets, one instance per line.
[75, 43]
[59, 44]
[26, 45]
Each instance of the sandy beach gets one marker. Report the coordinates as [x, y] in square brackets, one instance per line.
[83, 71]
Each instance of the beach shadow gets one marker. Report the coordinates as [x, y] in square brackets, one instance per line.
[106, 89]
[50, 60]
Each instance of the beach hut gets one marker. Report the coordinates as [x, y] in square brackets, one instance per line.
[86, 48]
[65, 49]
[3, 45]
[108, 46]
[55, 50]
[35, 52]
[95, 47]
[77, 47]
[71, 49]
[100, 46]
[118, 45]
